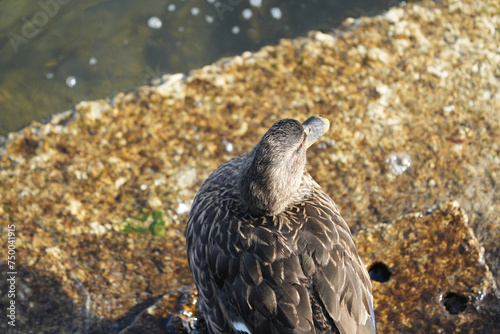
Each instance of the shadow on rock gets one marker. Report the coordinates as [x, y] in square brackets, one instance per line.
[42, 305]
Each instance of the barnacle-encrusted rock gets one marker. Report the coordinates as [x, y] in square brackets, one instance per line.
[420, 81]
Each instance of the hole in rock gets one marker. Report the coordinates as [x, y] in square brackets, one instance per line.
[379, 272]
[454, 303]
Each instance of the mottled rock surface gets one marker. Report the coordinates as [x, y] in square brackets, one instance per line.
[434, 278]
[413, 97]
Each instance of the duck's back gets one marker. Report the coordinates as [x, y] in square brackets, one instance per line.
[295, 272]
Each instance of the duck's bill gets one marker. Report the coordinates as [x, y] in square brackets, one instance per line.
[315, 126]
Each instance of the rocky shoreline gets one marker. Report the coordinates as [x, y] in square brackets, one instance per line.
[413, 97]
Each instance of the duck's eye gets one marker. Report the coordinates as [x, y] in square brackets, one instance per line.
[302, 143]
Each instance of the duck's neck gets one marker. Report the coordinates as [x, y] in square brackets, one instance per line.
[269, 186]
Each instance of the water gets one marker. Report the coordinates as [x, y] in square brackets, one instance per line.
[58, 52]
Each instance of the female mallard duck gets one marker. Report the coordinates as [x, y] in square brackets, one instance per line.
[268, 248]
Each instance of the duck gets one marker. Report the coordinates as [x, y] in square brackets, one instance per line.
[268, 248]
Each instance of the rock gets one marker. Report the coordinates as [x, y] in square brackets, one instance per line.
[430, 263]
[58, 179]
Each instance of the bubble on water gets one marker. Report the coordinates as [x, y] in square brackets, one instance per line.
[255, 3]
[209, 19]
[71, 81]
[195, 11]
[398, 163]
[210, 1]
[92, 61]
[181, 29]
[154, 22]
[49, 76]
[247, 13]
[235, 30]
[276, 13]
[171, 7]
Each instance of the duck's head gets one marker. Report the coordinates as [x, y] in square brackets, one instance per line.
[273, 173]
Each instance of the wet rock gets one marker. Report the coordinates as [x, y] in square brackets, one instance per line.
[429, 274]
[420, 81]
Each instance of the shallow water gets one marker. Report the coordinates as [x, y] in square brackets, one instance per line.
[59, 52]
